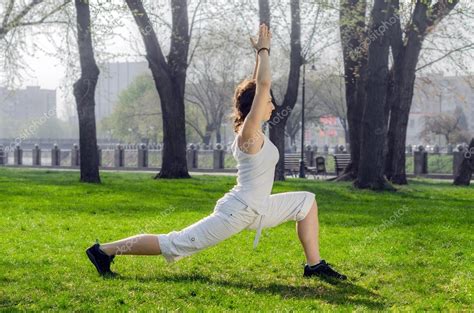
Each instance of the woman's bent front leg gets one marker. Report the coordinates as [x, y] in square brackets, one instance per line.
[308, 233]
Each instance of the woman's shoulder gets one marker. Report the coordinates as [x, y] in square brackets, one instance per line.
[240, 147]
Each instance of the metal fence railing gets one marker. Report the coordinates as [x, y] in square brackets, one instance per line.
[419, 160]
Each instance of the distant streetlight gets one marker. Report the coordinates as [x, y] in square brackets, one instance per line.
[313, 68]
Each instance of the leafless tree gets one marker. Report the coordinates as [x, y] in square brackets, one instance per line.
[305, 46]
[330, 100]
[406, 42]
[452, 126]
[18, 18]
[211, 82]
[169, 75]
[84, 92]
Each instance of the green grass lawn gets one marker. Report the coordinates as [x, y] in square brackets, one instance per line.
[408, 250]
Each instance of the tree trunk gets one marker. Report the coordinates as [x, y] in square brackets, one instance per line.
[169, 78]
[464, 174]
[346, 133]
[276, 124]
[406, 54]
[208, 134]
[264, 12]
[218, 135]
[207, 139]
[403, 76]
[84, 93]
[282, 112]
[393, 100]
[293, 140]
[277, 136]
[352, 30]
[393, 93]
[371, 163]
[398, 131]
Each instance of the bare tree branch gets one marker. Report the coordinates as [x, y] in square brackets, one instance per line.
[446, 55]
[9, 25]
[8, 13]
[52, 12]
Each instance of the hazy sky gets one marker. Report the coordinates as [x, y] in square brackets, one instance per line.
[49, 72]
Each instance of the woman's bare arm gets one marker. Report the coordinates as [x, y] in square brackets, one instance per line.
[254, 76]
[251, 134]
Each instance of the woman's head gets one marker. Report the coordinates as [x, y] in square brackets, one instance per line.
[242, 102]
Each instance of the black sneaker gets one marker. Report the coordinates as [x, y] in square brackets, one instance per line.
[323, 270]
[100, 260]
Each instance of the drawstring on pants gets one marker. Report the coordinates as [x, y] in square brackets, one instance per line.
[259, 232]
[259, 229]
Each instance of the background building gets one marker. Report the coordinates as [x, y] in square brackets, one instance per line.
[26, 104]
[113, 79]
[330, 132]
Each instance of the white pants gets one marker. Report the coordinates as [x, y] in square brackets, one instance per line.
[231, 216]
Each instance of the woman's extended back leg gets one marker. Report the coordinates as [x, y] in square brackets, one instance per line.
[175, 245]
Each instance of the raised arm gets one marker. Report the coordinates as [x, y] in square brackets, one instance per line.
[251, 139]
[254, 76]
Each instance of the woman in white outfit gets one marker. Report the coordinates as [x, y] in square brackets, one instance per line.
[249, 204]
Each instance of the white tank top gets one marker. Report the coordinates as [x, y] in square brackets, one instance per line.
[255, 174]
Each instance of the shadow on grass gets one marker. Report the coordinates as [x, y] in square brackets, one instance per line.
[342, 293]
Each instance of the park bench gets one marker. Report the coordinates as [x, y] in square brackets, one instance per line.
[341, 161]
[292, 165]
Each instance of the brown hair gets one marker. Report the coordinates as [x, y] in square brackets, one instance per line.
[242, 102]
